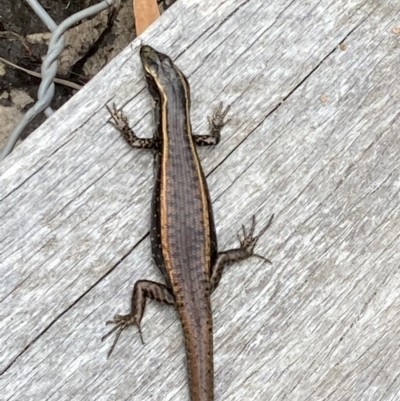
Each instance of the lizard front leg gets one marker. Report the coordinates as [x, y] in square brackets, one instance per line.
[120, 122]
[216, 123]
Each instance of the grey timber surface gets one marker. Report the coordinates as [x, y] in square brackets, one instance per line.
[314, 90]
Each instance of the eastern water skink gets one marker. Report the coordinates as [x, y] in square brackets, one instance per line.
[183, 237]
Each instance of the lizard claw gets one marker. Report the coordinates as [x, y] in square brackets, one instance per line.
[121, 323]
[118, 118]
[249, 241]
[216, 121]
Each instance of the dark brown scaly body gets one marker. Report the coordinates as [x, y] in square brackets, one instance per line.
[183, 237]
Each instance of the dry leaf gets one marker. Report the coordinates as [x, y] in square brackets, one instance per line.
[146, 12]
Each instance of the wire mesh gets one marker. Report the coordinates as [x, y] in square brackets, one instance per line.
[50, 64]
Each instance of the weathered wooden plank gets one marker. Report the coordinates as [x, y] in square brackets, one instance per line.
[322, 322]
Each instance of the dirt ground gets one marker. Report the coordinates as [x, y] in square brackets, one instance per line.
[24, 41]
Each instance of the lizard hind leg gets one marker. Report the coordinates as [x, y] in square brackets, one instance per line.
[142, 290]
[249, 241]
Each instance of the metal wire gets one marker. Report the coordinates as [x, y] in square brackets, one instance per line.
[50, 65]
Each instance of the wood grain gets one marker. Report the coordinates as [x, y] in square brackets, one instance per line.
[313, 138]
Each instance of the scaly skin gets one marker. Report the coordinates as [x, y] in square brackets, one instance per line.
[183, 238]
